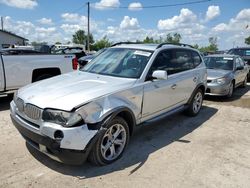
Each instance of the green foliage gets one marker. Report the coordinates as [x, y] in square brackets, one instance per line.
[103, 43]
[196, 46]
[247, 40]
[148, 40]
[34, 43]
[212, 47]
[58, 43]
[170, 38]
[81, 38]
[175, 38]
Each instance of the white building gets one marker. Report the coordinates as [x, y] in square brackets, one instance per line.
[8, 39]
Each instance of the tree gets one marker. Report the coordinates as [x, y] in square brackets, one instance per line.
[34, 43]
[58, 43]
[81, 38]
[175, 38]
[212, 47]
[196, 46]
[103, 43]
[148, 40]
[247, 40]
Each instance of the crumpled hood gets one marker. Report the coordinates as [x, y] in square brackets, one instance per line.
[70, 90]
[216, 73]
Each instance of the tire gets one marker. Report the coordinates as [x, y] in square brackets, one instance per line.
[42, 77]
[195, 104]
[244, 84]
[231, 90]
[108, 142]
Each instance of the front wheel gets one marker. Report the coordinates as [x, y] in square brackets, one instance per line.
[111, 144]
[230, 90]
[244, 84]
[195, 104]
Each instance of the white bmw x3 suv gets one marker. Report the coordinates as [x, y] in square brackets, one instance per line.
[92, 113]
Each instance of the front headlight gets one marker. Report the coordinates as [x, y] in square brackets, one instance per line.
[221, 80]
[66, 119]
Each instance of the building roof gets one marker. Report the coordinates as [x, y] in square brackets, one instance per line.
[12, 34]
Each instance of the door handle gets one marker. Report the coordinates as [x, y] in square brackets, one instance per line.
[173, 86]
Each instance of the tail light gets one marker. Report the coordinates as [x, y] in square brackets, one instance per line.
[74, 63]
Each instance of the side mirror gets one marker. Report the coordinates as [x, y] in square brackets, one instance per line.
[240, 68]
[160, 75]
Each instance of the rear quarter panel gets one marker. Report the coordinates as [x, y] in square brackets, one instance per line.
[19, 68]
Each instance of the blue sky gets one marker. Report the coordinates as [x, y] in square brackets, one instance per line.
[57, 20]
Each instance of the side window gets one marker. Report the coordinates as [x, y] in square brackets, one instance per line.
[181, 61]
[196, 59]
[242, 63]
[161, 61]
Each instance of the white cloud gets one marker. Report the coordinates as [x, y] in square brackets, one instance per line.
[73, 18]
[185, 19]
[70, 28]
[212, 12]
[129, 23]
[238, 23]
[45, 21]
[24, 4]
[135, 6]
[107, 4]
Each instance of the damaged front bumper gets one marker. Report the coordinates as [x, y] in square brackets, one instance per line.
[73, 148]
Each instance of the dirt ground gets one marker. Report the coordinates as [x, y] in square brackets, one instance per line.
[210, 150]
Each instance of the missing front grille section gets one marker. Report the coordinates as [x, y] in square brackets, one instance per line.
[32, 124]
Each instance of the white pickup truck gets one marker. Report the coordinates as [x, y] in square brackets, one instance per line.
[19, 70]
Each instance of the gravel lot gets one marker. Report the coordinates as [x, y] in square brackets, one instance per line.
[210, 150]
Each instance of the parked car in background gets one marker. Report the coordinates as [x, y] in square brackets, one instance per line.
[77, 51]
[86, 59]
[225, 73]
[18, 51]
[244, 52]
[18, 70]
[93, 112]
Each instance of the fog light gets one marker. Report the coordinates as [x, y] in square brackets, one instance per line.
[58, 135]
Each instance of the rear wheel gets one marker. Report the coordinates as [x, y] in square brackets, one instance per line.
[195, 104]
[111, 144]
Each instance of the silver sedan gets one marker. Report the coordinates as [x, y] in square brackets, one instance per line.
[225, 73]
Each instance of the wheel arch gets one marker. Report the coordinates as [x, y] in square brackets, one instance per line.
[199, 86]
[54, 71]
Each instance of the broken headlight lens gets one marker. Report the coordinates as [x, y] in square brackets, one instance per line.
[66, 119]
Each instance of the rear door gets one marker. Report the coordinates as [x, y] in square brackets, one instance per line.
[2, 79]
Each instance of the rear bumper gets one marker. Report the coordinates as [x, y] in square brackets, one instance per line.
[51, 147]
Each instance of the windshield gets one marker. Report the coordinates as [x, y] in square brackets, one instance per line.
[225, 63]
[119, 62]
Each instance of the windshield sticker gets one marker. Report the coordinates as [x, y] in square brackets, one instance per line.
[228, 58]
[142, 53]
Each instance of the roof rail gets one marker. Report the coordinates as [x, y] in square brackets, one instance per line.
[177, 44]
[119, 43]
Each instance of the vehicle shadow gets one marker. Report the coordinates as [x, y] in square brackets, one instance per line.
[5, 103]
[146, 140]
[238, 93]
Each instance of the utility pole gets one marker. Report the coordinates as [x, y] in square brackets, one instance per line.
[1, 22]
[88, 28]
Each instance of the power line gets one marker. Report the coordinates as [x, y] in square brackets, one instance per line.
[154, 6]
